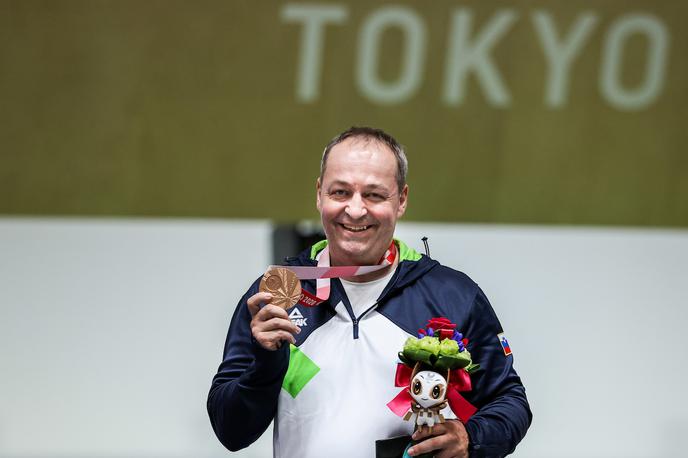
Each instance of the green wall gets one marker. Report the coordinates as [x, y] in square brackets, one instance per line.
[566, 113]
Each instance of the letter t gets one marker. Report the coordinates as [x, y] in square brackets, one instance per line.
[313, 18]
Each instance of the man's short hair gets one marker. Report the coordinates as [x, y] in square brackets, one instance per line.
[378, 135]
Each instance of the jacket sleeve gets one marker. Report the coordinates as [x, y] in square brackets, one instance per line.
[503, 415]
[243, 396]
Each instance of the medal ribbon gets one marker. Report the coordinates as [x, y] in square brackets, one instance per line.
[323, 272]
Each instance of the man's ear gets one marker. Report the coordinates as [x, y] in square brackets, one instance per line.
[318, 205]
[403, 200]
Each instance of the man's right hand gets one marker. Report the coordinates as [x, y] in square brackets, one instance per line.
[270, 325]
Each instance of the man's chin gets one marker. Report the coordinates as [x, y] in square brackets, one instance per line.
[352, 253]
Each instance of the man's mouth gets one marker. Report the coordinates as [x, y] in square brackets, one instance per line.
[355, 228]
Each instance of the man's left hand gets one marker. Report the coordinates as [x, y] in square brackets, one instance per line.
[447, 440]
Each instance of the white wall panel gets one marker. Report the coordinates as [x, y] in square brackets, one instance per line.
[595, 318]
[110, 331]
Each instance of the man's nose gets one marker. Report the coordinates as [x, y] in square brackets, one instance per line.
[356, 208]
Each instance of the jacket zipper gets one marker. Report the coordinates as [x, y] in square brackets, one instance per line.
[388, 288]
[358, 320]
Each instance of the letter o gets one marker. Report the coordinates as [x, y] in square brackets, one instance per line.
[612, 56]
[413, 55]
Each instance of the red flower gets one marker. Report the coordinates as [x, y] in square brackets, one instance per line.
[446, 333]
[441, 323]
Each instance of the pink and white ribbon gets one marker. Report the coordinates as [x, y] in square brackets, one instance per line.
[323, 272]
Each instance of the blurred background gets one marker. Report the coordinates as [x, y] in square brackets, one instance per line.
[156, 156]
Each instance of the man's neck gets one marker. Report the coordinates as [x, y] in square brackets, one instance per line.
[369, 276]
[373, 275]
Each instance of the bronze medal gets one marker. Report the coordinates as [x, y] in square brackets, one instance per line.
[284, 286]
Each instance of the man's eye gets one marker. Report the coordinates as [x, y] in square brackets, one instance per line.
[375, 197]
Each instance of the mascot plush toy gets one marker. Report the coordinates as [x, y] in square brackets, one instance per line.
[428, 390]
[435, 367]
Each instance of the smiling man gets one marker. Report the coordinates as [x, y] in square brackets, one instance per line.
[327, 390]
[361, 193]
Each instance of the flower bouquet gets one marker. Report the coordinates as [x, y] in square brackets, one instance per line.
[435, 367]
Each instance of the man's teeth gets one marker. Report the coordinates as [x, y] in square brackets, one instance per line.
[355, 228]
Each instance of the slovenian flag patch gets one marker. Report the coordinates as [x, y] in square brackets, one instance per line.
[505, 344]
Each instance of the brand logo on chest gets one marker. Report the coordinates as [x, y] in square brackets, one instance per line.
[297, 318]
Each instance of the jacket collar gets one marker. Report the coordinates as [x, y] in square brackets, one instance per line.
[412, 265]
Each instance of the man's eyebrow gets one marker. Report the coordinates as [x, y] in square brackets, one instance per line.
[368, 187]
[339, 183]
[376, 186]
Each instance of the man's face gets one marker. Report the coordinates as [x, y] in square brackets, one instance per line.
[359, 201]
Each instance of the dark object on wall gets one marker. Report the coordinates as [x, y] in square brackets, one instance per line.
[291, 239]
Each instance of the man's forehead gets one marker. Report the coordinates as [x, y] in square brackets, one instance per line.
[361, 143]
[354, 150]
[360, 170]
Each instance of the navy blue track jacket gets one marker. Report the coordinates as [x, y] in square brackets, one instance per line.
[250, 388]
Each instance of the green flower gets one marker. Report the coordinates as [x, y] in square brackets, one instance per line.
[411, 344]
[430, 344]
[420, 350]
[449, 347]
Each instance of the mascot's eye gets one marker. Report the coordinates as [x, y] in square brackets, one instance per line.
[417, 387]
[436, 391]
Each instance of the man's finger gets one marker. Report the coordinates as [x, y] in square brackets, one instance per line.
[271, 311]
[286, 336]
[272, 340]
[428, 445]
[424, 431]
[275, 323]
[447, 440]
[254, 302]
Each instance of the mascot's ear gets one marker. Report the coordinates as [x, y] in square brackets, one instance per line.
[416, 369]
